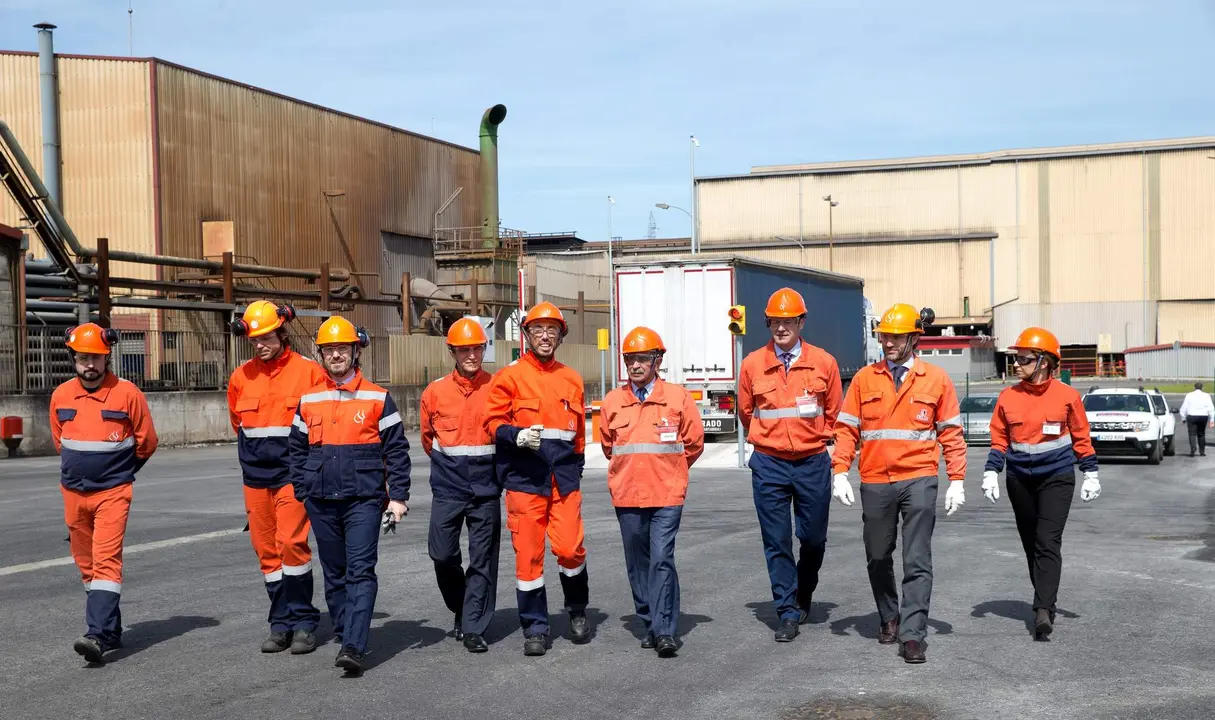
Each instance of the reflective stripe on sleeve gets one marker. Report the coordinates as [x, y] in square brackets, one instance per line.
[851, 420]
[387, 422]
[299, 424]
[955, 421]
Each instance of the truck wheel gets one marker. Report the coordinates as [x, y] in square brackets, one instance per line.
[1157, 453]
[1168, 445]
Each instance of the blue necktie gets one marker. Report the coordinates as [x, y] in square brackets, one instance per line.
[899, 371]
[641, 394]
[787, 359]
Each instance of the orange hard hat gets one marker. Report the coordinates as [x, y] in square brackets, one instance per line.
[91, 339]
[901, 319]
[262, 317]
[641, 340]
[339, 331]
[1040, 339]
[786, 303]
[466, 332]
[546, 311]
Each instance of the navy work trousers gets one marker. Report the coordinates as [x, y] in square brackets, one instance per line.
[471, 593]
[347, 539]
[806, 485]
[649, 559]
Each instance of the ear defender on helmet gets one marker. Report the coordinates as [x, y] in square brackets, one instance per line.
[109, 336]
[239, 327]
[927, 316]
[287, 313]
[364, 338]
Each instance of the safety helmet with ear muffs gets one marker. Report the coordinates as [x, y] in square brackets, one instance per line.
[261, 318]
[340, 331]
[91, 339]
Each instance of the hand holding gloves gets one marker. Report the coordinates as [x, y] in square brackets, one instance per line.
[529, 437]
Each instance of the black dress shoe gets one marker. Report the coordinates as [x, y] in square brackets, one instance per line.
[1043, 625]
[580, 628]
[350, 660]
[535, 646]
[456, 631]
[648, 642]
[912, 652]
[666, 646]
[474, 643]
[787, 631]
[276, 642]
[888, 634]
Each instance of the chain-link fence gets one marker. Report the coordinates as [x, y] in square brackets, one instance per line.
[34, 359]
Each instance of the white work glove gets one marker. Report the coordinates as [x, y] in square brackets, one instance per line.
[1091, 487]
[529, 438]
[955, 497]
[991, 485]
[841, 489]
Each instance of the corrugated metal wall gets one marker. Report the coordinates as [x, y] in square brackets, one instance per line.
[403, 254]
[1187, 321]
[1080, 323]
[1187, 226]
[1171, 363]
[105, 128]
[265, 162]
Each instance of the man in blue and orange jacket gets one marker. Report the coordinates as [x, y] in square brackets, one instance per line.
[536, 415]
[263, 395]
[104, 433]
[348, 455]
[464, 485]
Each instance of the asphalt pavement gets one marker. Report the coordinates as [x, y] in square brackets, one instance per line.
[1138, 585]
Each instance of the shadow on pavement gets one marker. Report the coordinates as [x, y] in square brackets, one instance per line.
[559, 622]
[687, 623]
[867, 626]
[1015, 610]
[1207, 553]
[396, 636]
[765, 612]
[143, 635]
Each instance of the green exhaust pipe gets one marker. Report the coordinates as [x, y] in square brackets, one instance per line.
[490, 121]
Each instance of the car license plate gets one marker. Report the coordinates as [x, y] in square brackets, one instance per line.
[718, 424]
[1109, 437]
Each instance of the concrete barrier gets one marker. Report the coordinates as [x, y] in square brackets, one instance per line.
[181, 418]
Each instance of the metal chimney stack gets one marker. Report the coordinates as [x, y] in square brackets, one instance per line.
[48, 85]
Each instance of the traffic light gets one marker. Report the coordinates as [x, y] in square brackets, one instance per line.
[738, 319]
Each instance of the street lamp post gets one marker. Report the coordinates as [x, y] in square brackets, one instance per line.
[611, 293]
[830, 231]
[695, 207]
[668, 206]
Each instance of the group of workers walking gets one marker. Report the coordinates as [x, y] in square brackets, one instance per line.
[322, 448]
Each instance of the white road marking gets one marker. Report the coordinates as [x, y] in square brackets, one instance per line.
[144, 547]
[41, 495]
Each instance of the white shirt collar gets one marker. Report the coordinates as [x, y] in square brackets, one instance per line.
[649, 389]
[908, 363]
[796, 352]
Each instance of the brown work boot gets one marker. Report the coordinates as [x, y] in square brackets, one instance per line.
[888, 634]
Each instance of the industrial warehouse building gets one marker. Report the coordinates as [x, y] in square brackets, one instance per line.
[1110, 246]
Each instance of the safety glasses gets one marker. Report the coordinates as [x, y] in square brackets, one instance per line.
[1025, 359]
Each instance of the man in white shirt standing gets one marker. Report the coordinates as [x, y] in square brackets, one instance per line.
[1197, 410]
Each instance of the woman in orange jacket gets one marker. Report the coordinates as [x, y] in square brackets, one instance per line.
[1038, 432]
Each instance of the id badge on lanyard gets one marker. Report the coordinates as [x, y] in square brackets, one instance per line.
[807, 405]
[667, 433]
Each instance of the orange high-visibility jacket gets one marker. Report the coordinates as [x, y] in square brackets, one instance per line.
[650, 445]
[1042, 430]
[789, 415]
[104, 436]
[899, 431]
[347, 441]
[262, 400]
[453, 435]
[528, 392]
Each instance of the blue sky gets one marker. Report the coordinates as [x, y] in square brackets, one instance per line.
[603, 96]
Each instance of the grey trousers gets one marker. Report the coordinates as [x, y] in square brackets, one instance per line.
[881, 507]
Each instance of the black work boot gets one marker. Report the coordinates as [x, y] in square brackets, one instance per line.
[350, 660]
[474, 643]
[580, 627]
[535, 645]
[89, 648]
[787, 631]
[1043, 625]
[277, 642]
[666, 646]
[303, 642]
[648, 642]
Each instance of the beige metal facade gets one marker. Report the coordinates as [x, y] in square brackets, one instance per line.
[1121, 226]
